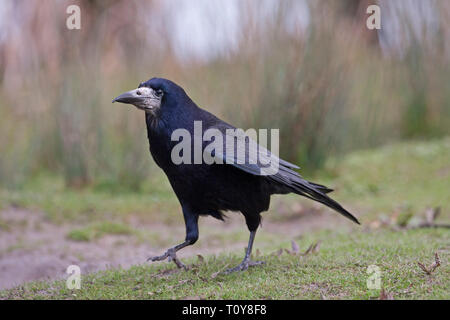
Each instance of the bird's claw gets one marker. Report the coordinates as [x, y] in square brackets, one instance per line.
[244, 266]
[170, 255]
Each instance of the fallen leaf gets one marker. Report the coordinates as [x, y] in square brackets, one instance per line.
[295, 247]
[423, 268]
[433, 267]
[308, 251]
[316, 247]
[313, 248]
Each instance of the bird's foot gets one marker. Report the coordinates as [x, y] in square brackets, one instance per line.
[244, 266]
[171, 255]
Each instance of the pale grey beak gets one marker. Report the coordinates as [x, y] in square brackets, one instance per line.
[131, 97]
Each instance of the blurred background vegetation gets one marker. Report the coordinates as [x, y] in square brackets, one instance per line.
[310, 68]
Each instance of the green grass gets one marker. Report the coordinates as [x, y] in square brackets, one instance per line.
[337, 271]
[97, 230]
[399, 180]
[399, 177]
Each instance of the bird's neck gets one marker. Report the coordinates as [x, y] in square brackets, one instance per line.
[152, 121]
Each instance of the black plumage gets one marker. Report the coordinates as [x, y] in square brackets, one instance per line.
[212, 189]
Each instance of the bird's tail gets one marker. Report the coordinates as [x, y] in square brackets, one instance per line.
[321, 187]
[318, 192]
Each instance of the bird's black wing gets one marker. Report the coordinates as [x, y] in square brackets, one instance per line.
[259, 161]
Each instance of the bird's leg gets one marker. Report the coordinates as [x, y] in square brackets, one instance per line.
[191, 221]
[171, 255]
[246, 262]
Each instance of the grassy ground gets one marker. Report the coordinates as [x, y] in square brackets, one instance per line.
[389, 189]
[337, 271]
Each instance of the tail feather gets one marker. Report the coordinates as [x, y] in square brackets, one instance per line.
[321, 187]
[289, 180]
[333, 205]
[317, 193]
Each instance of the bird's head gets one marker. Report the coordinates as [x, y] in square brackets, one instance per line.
[151, 95]
[148, 96]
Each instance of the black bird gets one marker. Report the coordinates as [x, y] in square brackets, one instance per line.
[211, 189]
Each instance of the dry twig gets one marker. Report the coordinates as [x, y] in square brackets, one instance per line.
[432, 268]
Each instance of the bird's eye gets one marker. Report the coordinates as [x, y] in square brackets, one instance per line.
[159, 92]
[138, 93]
